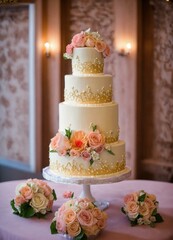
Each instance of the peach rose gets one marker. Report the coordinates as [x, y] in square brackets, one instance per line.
[78, 140]
[97, 213]
[60, 143]
[73, 229]
[91, 230]
[144, 209]
[19, 200]
[95, 140]
[106, 52]
[100, 46]
[152, 197]
[150, 205]
[26, 192]
[132, 209]
[85, 217]
[101, 223]
[79, 40]
[69, 216]
[90, 42]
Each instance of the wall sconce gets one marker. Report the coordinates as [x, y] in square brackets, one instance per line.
[47, 49]
[125, 51]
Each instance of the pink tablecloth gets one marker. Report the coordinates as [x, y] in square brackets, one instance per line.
[13, 227]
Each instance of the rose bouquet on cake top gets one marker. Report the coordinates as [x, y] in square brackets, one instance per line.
[33, 198]
[88, 146]
[78, 218]
[87, 39]
[141, 208]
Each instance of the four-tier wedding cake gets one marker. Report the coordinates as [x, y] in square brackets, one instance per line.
[87, 143]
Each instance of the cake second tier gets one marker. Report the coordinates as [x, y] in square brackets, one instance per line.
[82, 116]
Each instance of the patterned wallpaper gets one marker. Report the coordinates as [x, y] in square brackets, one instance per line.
[14, 96]
[163, 89]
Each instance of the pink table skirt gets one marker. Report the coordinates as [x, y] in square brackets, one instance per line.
[13, 227]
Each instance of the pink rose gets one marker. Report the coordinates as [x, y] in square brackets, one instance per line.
[60, 225]
[26, 192]
[19, 200]
[100, 46]
[86, 155]
[69, 49]
[68, 194]
[74, 153]
[95, 140]
[128, 198]
[97, 213]
[85, 217]
[79, 40]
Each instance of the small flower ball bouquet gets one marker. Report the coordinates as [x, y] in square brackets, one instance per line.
[33, 198]
[141, 208]
[78, 219]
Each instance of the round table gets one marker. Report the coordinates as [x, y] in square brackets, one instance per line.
[13, 227]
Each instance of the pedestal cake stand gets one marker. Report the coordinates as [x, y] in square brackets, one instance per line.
[86, 181]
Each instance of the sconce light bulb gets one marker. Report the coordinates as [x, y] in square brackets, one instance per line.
[47, 49]
[128, 46]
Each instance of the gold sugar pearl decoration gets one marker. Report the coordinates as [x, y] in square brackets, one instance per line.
[87, 96]
[87, 67]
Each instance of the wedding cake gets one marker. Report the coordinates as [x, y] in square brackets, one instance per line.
[87, 143]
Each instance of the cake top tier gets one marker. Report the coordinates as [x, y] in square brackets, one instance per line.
[87, 51]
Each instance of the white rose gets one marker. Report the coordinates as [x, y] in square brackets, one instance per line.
[39, 202]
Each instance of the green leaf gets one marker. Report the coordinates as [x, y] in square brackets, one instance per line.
[26, 210]
[154, 212]
[91, 161]
[54, 195]
[53, 228]
[142, 197]
[133, 223]
[110, 151]
[122, 210]
[81, 236]
[12, 203]
[68, 133]
[159, 218]
[52, 150]
[94, 127]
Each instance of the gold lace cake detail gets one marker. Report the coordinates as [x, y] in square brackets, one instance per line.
[75, 169]
[87, 67]
[110, 138]
[87, 96]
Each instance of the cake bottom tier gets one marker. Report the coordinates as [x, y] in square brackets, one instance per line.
[107, 163]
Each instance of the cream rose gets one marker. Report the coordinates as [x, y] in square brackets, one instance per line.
[39, 203]
[74, 229]
[132, 209]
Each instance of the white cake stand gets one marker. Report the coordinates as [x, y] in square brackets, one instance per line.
[86, 181]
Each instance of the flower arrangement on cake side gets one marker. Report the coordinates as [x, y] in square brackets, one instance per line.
[87, 39]
[33, 198]
[141, 208]
[78, 218]
[88, 146]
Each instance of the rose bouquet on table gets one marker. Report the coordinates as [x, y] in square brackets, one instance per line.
[33, 198]
[79, 219]
[87, 39]
[141, 208]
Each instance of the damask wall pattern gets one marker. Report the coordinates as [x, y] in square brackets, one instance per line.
[14, 95]
[163, 89]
